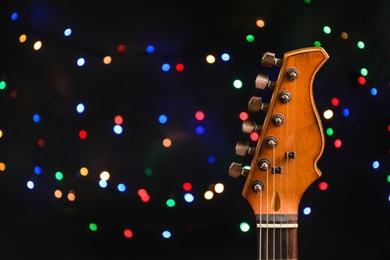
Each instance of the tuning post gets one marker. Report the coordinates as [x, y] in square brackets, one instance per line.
[249, 127]
[269, 60]
[257, 186]
[285, 96]
[256, 104]
[243, 148]
[236, 170]
[292, 74]
[270, 141]
[262, 81]
[277, 119]
[264, 164]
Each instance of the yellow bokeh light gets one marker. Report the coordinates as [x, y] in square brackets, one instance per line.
[104, 175]
[2, 166]
[37, 45]
[208, 195]
[1, 133]
[210, 58]
[107, 60]
[167, 142]
[219, 188]
[71, 195]
[328, 114]
[22, 38]
[260, 23]
[84, 171]
[57, 194]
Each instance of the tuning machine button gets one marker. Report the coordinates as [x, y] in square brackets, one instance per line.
[236, 170]
[243, 148]
[269, 60]
[250, 126]
[255, 104]
[262, 81]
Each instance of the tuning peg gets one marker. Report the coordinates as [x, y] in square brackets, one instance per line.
[250, 126]
[262, 81]
[236, 170]
[269, 60]
[243, 148]
[256, 104]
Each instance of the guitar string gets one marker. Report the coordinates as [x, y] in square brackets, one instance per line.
[287, 176]
[281, 190]
[274, 206]
[260, 217]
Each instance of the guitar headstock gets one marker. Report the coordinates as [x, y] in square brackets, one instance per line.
[291, 138]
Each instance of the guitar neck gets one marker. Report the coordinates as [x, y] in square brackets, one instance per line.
[277, 237]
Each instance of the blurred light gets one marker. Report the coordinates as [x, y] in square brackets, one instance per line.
[41, 142]
[244, 227]
[243, 116]
[237, 84]
[59, 176]
[71, 195]
[362, 80]
[104, 175]
[80, 108]
[121, 48]
[187, 186]
[68, 32]
[323, 185]
[179, 67]
[37, 170]
[344, 35]
[128, 233]
[118, 120]
[364, 72]
[337, 143]
[327, 30]
[14, 93]
[225, 56]
[328, 114]
[254, 136]
[83, 171]
[150, 49]
[30, 185]
[250, 38]
[208, 195]
[166, 67]
[317, 43]
[167, 142]
[374, 91]
[37, 45]
[14, 16]
[188, 197]
[346, 112]
[117, 129]
[57, 194]
[2, 166]
[199, 115]
[83, 134]
[148, 172]
[170, 203]
[107, 60]
[81, 62]
[162, 119]
[141, 192]
[199, 130]
[360, 45]
[335, 102]
[121, 187]
[388, 178]
[36, 118]
[3, 84]
[260, 23]
[329, 131]
[166, 234]
[22, 38]
[103, 184]
[93, 227]
[145, 198]
[375, 165]
[211, 159]
[219, 188]
[307, 1]
[307, 210]
[210, 59]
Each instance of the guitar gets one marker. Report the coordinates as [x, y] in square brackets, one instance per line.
[290, 143]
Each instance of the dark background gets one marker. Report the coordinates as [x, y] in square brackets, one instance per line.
[349, 220]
